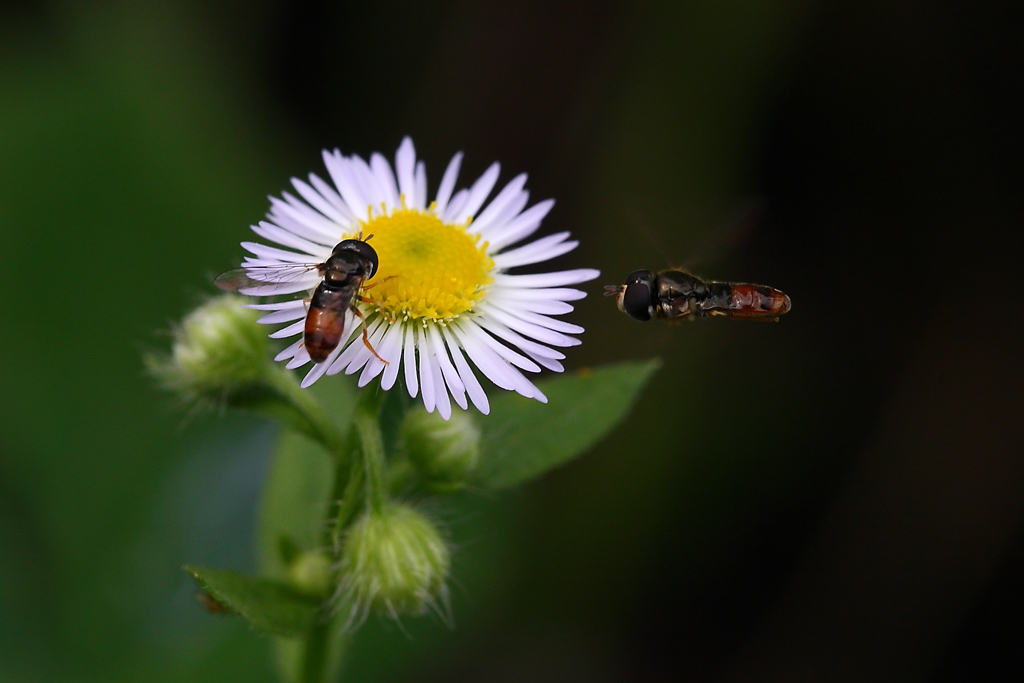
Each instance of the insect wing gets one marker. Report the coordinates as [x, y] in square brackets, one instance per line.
[267, 280]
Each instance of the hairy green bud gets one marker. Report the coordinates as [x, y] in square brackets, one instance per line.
[219, 348]
[445, 452]
[393, 562]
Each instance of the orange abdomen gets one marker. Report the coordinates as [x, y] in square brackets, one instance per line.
[755, 300]
[324, 328]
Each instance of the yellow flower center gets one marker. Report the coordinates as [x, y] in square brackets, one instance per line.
[428, 269]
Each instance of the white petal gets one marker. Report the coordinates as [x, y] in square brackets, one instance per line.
[363, 354]
[278, 306]
[493, 367]
[331, 194]
[274, 254]
[289, 352]
[326, 234]
[317, 251]
[541, 307]
[530, 325]
[318, 369]
[319, 202]
[444, 192]
[405, 163]
[391, 351]
[409, 360]
[444, 404]
[352, 342]
[511, 336]
[371, 190]
[454, 209]
[283, 316]
[426, 373]
[552, 365]
[498, 209]
[451, 377]
[472, 384]
[295, 215]
[385, 177]
[541, 294]
[513, 357]
[548, 322]
[523, 225]
[536, 252]
[374, 366]
[301, 358]
[479, 191]
[508, 214]
[556, 279]
[338, 167]
[290, 331]
[420, 184]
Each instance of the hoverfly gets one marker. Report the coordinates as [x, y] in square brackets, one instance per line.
[351, 263]
[675, 294]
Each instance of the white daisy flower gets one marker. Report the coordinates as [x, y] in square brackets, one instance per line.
[441, 300]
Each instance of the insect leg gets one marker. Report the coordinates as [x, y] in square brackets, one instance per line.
[371, 286]
[366, 337]
[760, 316]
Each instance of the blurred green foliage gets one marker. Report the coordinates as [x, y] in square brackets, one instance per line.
[135, 152]
[138, 140]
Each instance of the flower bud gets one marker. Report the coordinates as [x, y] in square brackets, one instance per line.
[445, 452]
[218, 348]
[311, 573]
[393, 562]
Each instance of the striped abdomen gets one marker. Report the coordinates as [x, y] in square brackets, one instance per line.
[742, 300]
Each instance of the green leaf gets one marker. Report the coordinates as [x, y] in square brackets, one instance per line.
[267, 605]
[523, 438]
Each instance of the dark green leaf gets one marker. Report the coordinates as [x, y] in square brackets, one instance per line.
[523, 438]
[267, 605]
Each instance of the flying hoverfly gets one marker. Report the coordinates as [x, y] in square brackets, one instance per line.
[351, 263]
[675, 294]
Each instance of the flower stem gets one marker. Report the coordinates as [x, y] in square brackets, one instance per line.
[283, 398]
[363, 438]
[366, 423]
[349, 503]
[314, 655]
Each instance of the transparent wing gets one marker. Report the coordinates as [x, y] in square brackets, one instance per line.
[267, 280]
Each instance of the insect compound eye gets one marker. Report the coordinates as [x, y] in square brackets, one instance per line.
[363, 250]
[636, 298]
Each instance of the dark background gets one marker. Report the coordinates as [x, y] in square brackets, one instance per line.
[836, 497]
